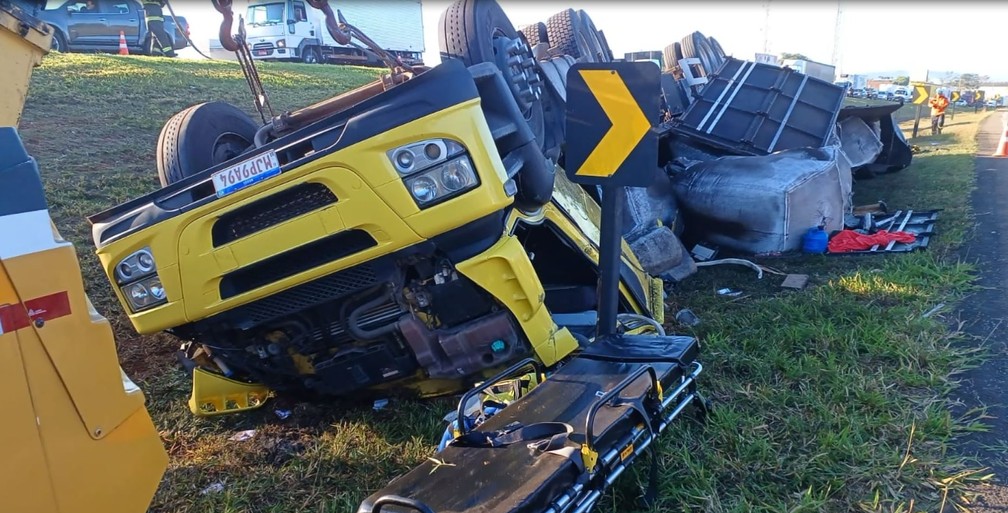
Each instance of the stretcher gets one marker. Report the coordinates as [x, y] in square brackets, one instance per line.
[558, 447]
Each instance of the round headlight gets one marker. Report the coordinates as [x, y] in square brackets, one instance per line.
[454, 177]
[424, 189]
[125, 271]
[138, 293]
[145, 262]
[156, 290]
[432, 151]
[404, 160]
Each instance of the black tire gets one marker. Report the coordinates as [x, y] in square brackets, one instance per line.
[535, 33]
[697, 46]
[606, 50]
[310, 55]
[466, 32]
[59, 42]
[591, 35]
[561, 28]
[671, 56]
[717, 52]
[200, 137]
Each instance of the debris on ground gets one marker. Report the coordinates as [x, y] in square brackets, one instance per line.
[795, 281]
[213, 488]
[242, 436]
[686, 317]
[729, 292]
[282, 414]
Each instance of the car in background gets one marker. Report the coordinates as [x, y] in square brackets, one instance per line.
[902, 94]
[871, 93]
[856, 93]
[77, 29]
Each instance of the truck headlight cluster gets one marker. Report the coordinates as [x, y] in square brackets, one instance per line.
[434, 170]
[281, 43]
[137, 278]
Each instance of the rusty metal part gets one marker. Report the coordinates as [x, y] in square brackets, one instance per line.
[224, 34]
[304, 116]
[452, 353]
[332, 25]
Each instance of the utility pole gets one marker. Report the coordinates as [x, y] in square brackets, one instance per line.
[766, 26]
[837, 33]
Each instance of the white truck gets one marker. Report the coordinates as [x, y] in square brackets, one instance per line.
[292, 30]
[813, 69]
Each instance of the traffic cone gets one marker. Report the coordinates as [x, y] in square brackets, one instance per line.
[123, 50]
[1002, 148]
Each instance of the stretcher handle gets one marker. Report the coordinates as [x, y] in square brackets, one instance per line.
[608, 396]
[395, 500]
[505, 374]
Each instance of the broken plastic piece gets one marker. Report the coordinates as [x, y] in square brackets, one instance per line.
[213, 394]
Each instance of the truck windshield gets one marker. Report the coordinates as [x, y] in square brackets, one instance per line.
[265, 14]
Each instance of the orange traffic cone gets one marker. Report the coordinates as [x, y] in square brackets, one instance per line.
[1002, 147]
[123, 50]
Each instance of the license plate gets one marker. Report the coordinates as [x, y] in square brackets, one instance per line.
[262, 52]
[246, 173]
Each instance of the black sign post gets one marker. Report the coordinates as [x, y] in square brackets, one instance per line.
[610, 143]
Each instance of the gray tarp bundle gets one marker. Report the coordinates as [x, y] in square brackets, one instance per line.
[764, 204]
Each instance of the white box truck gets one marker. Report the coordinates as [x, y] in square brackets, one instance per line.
[811, 68]
[293, 30]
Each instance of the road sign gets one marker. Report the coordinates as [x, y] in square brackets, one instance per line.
[980, 96]
[610, 108]
[955, 96]
[921, 93]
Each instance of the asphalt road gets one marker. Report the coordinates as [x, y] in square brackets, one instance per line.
[985, 317]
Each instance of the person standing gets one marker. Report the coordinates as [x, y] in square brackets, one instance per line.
[938, 105]
[159, 41]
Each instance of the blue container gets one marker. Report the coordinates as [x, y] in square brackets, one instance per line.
[815, 240]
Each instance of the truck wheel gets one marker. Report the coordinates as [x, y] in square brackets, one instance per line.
[468, 30]
[606, 50]
[310, 55]
[535, 33]
[200, 137]
[671, 56]
[59, 43]
[591, 34]
[569, 36]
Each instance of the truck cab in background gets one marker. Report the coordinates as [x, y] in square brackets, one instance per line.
[291, 30]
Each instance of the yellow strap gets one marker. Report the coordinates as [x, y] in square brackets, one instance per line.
[589, 457]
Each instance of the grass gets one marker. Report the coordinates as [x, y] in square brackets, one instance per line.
[833, 398]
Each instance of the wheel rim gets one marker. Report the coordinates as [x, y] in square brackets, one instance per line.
[55, 46]
[228, 146]
[516, 62]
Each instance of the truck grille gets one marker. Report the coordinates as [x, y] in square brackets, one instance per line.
[294, 261]
[305, 296]
[262, 46]
[271, 210]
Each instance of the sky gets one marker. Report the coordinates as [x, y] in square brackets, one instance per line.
[878, 36]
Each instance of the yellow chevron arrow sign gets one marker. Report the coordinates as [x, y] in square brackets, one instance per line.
[609, 112]
[921, 93]
[628, 123]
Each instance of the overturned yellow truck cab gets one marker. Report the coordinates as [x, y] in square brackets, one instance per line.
[416, 240]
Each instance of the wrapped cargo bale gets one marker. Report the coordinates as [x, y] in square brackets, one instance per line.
[859, 141]
[764, 204]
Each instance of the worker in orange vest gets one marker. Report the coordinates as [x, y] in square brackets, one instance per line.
[938, 105]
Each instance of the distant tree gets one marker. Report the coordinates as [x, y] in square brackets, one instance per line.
[799, 56]
[969, 80]
[901, 80]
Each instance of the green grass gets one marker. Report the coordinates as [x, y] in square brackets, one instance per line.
[833, 398]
